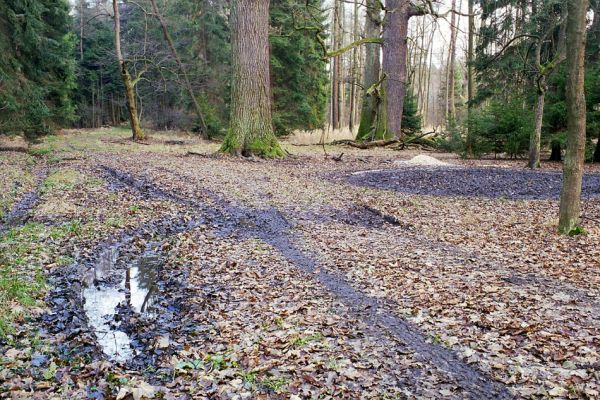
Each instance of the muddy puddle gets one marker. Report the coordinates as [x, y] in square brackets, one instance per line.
[110, 289]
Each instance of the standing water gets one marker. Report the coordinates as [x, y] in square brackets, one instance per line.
[136, 287]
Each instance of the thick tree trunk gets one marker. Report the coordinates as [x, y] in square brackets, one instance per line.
[536, 135]
[372, 69]
[570, 199]
[181, 67]
[251, 131]
[395, 32]
[136, 129]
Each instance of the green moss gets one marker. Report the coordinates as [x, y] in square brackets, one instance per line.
[267, 147]
[230, 144]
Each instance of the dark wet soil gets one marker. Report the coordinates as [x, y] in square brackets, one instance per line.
[21, 210]
[514, 184]
[271, 226]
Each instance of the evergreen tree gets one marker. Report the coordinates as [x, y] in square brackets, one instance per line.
[36, 67]
[300, 79]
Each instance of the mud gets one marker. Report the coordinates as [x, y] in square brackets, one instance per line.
[271, 226]
[21, 211]
[482, 182]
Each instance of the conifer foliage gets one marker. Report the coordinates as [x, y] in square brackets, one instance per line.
[36, 66]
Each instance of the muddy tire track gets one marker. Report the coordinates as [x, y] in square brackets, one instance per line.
[273, 228]
[20, 212]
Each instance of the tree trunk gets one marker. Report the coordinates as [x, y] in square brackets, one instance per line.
[372, 67]
[336, 70]
[181, 67]
[355, 37]
[451, 67]
[395, 34]
[536, 135]
[470, 78]
[251, 131]
[570, 199]
[136, 129]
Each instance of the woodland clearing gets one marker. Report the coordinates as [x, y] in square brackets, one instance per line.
[290, 279]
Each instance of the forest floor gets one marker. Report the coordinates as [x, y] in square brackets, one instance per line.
[161, 270]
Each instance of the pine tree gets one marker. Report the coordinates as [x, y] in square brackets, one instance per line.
[36, 67]
[300, 79]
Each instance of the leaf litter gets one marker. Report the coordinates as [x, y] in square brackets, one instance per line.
[281, 279]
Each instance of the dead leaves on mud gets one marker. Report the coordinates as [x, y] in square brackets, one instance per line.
[488, 279]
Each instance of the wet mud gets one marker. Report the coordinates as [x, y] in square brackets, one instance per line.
[20, 212]
[271, 226]
[514, 184]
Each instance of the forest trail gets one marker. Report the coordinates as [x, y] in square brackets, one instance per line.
[295, 279]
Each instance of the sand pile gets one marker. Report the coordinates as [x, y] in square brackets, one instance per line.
[422, 160]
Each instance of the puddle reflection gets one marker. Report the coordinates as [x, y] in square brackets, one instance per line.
[137, 288]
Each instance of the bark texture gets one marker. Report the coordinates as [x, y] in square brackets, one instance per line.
[372, 70]
[395, 32]
[570, 199]
[251, 131]
[535, 139]
[136, 129]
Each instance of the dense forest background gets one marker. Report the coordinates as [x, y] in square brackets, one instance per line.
[504, 95]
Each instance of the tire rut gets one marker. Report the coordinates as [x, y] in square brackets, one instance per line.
[272, 227]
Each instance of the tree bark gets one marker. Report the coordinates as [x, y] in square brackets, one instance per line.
[395, 34]
[534, 143]
[136, 129]
[570, 199]
[355, 37]
[336, 70]
[251, 131]
[470, 78]
[181, 67]
[371, 75]
[451, 67]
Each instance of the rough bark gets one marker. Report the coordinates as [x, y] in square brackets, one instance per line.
[570, 199]
[186, 79]
[395, 48]
[251, 131]
[535, 139]
[371, 75]
[136, 129]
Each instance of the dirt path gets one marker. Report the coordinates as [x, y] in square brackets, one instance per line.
[271, 226]
[232, 279]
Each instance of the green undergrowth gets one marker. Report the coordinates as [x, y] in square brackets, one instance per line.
[23, 253]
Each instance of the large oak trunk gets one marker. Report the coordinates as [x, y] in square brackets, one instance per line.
[570, 199]
[395, 48]
[251, 131]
